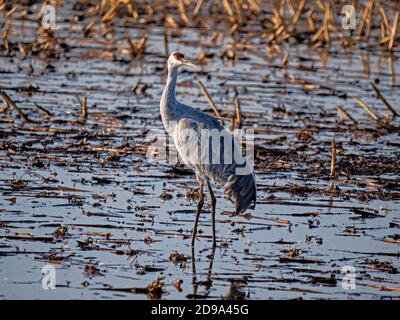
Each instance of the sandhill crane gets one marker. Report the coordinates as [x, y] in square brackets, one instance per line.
[193, 133]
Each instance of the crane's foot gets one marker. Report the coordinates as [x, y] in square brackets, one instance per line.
[199, 208]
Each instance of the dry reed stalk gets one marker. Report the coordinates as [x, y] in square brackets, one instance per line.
[278, 32]
[132, 11]
[182, 12]
[239, 12]
[318, 34]
[324, 56]
[229, 11]
[84, 107]
[171, 22]
[383, 99]
[333, 158]
[285, 36]
[369, 110]
[254, 6]
[384, 17]
[11, 104]
[340, 110]
[290, 7]
[285, 59]
[47, 112]
[111, 13]
[369, 22]
[341, 114]
[364, 19]
[384, 40]
[197, 8]
[382, 32]
[138, 47]
[90, 26]
[276, 19]
[320, 5]
[310, 20]
[208, 97]
[233, 29]
[5, 40]
[316, 45]
[361, 25]
[135, 87]
[326, 22]
[238, 117]
[366, 64]
[12, 11]
[393, 31]
[282, 8]
[382, 287]
[298, 12]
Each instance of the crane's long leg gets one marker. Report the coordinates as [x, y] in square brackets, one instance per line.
[194, 276]
[199, 208]
[213, 203]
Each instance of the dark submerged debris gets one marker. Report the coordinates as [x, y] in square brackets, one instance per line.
[91, 270]
[155, 289]
[61, 232]
[176, 257]
[325, 281]
[18, 184]
[148, 240]
[177, 284]
[385, 266]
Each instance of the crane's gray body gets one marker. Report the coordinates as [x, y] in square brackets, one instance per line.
[186, 126]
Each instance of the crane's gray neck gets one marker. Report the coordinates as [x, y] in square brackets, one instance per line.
[171, 82]
[168, 100]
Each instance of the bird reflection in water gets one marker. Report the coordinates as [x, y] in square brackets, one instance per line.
[207, 283]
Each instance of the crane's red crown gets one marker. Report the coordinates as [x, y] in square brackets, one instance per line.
[177, 59]
[178, 56]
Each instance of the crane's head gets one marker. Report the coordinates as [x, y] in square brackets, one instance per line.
[177, 59]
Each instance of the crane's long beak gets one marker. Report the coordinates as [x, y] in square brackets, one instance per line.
[189, 64]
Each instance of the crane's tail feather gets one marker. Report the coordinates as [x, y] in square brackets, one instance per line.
[241, 191]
